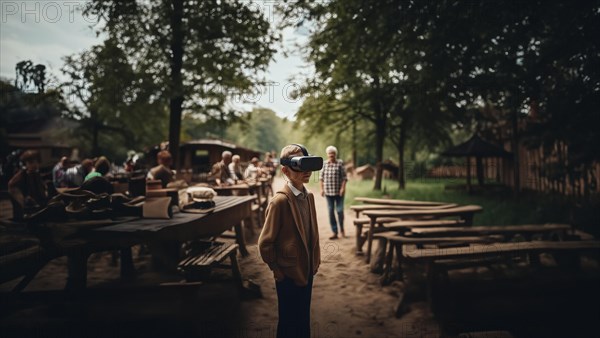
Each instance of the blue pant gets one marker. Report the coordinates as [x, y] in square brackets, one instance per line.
[294, 308]
[337, 203]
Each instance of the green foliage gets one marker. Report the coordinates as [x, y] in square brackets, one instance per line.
[109, 98]
[261, 129]
[498, 207]
[429, 71]
[196, 54]
[28, 76]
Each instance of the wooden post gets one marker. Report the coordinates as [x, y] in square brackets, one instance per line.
[479, 170]
[468, 174]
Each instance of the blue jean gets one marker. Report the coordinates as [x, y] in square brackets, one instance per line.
[337, 203]
[294, 308]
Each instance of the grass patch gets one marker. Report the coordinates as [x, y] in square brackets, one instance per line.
[499, 206]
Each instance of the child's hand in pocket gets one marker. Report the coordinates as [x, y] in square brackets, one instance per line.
[278, 274]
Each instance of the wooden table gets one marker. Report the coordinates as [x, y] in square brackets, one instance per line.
[364, 207]
[390, 201]
[230, 211]
[496, 249]
[465, 213]
[420, 232]
[239, 189]
[435, 259]
[254, 187]
[526, 230]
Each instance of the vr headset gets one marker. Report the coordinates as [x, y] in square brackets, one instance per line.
[303, 163]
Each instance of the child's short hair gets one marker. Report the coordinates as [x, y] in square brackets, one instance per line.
[30, 156]
[289, 150]
[102, 165]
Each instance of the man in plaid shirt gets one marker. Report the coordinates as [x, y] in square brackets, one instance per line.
[333, 187]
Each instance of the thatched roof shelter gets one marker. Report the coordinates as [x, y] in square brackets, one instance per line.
[478, 148]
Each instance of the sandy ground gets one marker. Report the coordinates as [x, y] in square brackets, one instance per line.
[348, 300]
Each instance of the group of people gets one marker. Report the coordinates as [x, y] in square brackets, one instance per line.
[229, 170]
[68, 175]
[29, 192]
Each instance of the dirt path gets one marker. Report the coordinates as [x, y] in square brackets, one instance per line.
[348, 300]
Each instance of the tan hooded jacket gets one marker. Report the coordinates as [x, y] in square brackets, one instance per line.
[283, 242]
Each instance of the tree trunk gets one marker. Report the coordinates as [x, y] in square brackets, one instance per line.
[379, 140]
[468, 174]
[354, 160]
[95, 131]
[479, 168]
[401, 142]
[515, 149]
[380, 127]
[176, 101]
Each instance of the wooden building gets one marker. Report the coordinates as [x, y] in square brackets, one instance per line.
[44, 135]
[200, 155]
[365, 172]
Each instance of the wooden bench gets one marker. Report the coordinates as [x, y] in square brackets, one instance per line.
[198, 265]
[360, 222]
[495, 249]
[394, 224]
[388, 201]
[509, 230]
[437, 268]
[421, 233]
[362, 207]
[396, 243]
[464, 213]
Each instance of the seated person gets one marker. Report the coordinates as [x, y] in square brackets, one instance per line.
[101, 168]
[221, 170]
[253, 171]
[235, 168]
[26, 187]
[163, 170]
[59, 172]
[268, 167]
[75, 175]
[97, 181]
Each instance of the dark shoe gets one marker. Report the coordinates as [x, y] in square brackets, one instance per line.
[335, 236]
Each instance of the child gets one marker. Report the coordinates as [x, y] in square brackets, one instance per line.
[289, 244]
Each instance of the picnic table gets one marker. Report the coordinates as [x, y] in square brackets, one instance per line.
[495, 249]
[388, 201]
[257, 188]
[420, 233]
[465, 213]
[439, 260]
[238, 189]
[509, 230]
[79, 239]
[363, 207]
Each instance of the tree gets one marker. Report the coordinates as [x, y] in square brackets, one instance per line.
[109, 99]
[371, 57]
[524, 58]
[196, 52]
[27, 75]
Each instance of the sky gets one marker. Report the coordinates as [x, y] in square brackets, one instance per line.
[47, 31]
